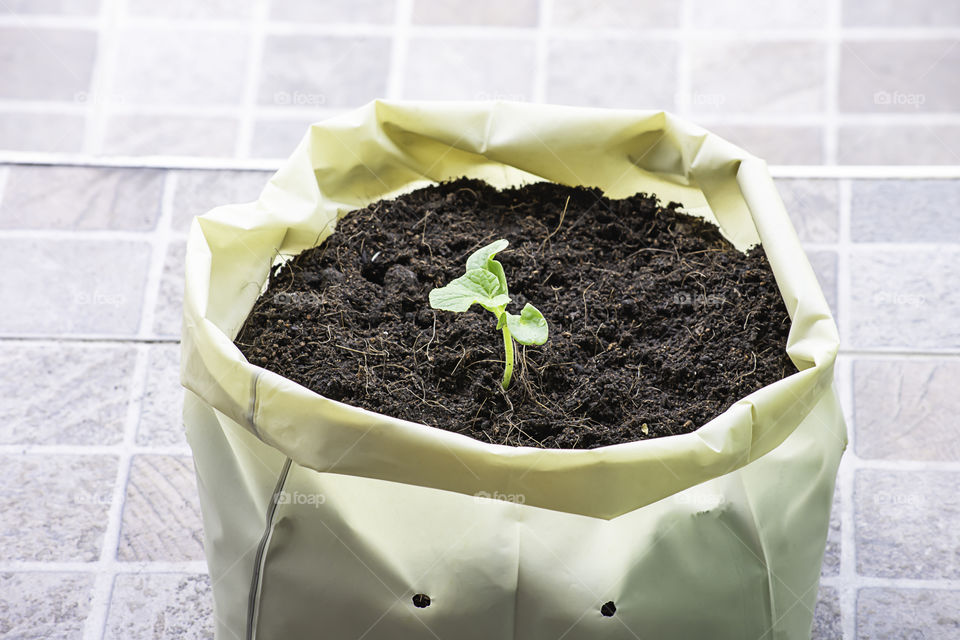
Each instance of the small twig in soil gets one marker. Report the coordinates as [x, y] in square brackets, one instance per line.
[423, 233]
[642, 249]
[363, 353]
[316, 241]
[460, 361]
[423, 399]
[503, 392]
[508, 412]
[468, 424]
[530, 437]
[393, 365]
[471, 191]
[751, 372]
[559, 224]
[694, 253]
[432, 336]
[584, 296]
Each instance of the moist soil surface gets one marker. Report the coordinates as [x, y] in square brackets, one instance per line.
[657, 324]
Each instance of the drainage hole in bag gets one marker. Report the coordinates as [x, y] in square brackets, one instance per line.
[421, 600]
[608, 609]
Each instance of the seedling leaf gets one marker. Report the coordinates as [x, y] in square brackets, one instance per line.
[479, 258]
[476, 286]
[530, 327]
[482, 258]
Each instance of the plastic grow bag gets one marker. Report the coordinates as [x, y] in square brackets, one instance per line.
[326, 520]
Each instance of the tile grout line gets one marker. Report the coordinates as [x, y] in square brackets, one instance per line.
[296, 113]
[248, 110]
[847, 473]
[81, 234]
[900, 354]
[878, 464]
[821, 118]
[141, 162]
[846, 578]
[105, 66]
[94, 104]
[541, 61]
[93, 450]
[48, 21]
[932, 584]
[831, 172]
[160, 240]
[285, 27]
[854, 247]
[399, 31]
[4, 178]
[213, 110]
[844, 249]
[88, 339]
[159, 566]
[832, 82]
[684, 87]
[96, 622]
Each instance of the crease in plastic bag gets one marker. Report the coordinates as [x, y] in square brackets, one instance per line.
[386, 149]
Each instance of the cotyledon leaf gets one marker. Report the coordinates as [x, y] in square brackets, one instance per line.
[530, 327]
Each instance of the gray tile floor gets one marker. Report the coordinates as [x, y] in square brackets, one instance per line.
[817, 82]
[89, 402]
[99, 524]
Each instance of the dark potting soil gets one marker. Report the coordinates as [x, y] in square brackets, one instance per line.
[657, 324]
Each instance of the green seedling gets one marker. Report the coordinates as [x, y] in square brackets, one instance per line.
[485, 284]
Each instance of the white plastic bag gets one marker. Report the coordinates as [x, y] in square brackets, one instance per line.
[327, 520]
